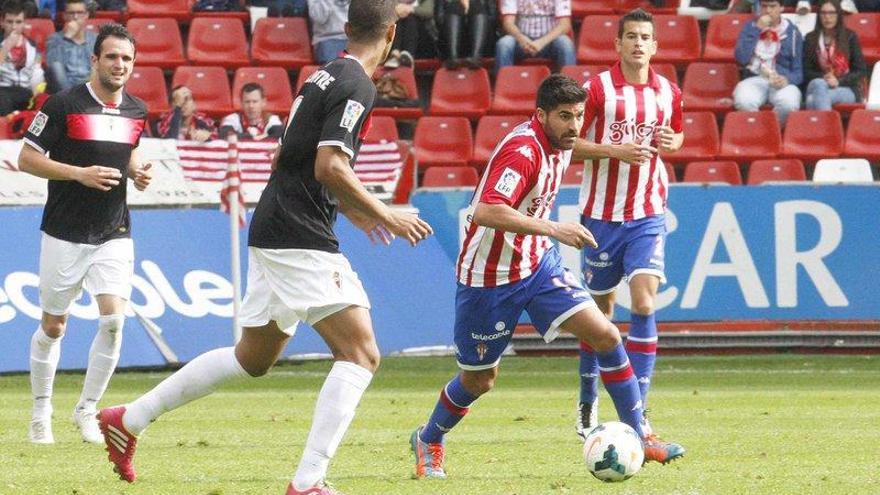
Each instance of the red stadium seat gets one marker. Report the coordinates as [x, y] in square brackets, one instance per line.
[217, 41]
[709, 86]
[442, 141]
[94, 24]
[281, 41]
[596, 40]
[516, 87]
[670, 172]
[38, 30]
[574, 174]
[491, 129]
[701, 139]
[382, 128]
[209, 86]
[581, 73]
[863, 135]
[718, 172]
[867, 27]
[761, 171]
[624, 6]
[109, 15]
[678, 38]
[812, 135]
[158, 42]
[721, 36]
[178, 9]
[406, 77]
[461, 92]
[148, 84]
[450, 177]
[304, 72]
[582, 8]
[749, 136]
[5, 131]
[276, 87]
[666, 70]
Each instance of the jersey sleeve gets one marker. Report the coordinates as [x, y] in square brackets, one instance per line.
[562, 8]
[511, 173]
[593, 104]
[677, 110]
[509, 7]
[348, 104]
[49, 125]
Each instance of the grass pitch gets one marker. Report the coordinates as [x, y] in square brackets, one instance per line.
[785, 424]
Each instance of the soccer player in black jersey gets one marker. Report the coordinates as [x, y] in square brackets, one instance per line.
[90, 133]
[295, 270]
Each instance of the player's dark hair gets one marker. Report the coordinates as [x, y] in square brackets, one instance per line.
[558, 89]
[637, 15]
[370, 19]
[252, 86]
[113, 30]
[12, 7]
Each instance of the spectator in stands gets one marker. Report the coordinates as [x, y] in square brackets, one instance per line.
[283, 8]
[69, 51]
[217, 6]
[252, 123]
[801, 6]
[185, 122]
[328, 18]
[453, 14]
[406, 39]
[868, 5]
[535, 28]
[833, 62]
[770, 54]
[20, 70]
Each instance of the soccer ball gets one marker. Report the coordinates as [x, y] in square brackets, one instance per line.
[613, 451]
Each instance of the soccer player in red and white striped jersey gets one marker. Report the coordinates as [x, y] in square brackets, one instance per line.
[632, 113]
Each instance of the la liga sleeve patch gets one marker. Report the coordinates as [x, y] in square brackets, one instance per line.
[508, 181]
[38, 124]
[351, 114]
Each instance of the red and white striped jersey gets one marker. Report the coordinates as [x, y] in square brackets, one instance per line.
[616, 113]
[524, 173]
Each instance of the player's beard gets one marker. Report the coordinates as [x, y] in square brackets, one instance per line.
[558, 143]
[110, 84]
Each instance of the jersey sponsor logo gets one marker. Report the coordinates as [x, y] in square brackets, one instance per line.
[321, 78]
[492, 336]
[507, 182]
[350, 116]
[39, 123]
[641, 133]
[111, 111]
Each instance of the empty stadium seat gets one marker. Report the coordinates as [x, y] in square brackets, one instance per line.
[491, 129]
[574, 174]
[812, 135]
[158, 42]
[282, 41]
[94, 24]
[624, 6]
[843, 170]
[178, 9]
[209, 86]
[450, 177]
[670, 172]
[304, 73]
[148, 84]
[276, 87]
[442, 141]
[38, 30]
[515, 89]
[666, 70]
[701, 138]
[679, 37]
[382, 128]
[709, 86]
[749, 136]
[581, 73]
[596, 40]
[863, 135]
[726, 172]
[721, 36]
[460, 92]
[779, 170]
[581, 8]
[406, 76]
[867, 27]
[217, 41]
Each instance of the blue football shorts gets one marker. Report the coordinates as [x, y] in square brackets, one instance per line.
[625, 249]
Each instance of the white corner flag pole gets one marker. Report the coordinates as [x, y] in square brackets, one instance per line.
[234, 235]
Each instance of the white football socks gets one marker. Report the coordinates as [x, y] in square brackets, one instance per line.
[334, 410]
[198, 378]
[103, 356]
[45, 353]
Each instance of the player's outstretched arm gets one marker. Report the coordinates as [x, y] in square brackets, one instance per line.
[333, 170]
[503, 217]
[34, 162]
[632, 153]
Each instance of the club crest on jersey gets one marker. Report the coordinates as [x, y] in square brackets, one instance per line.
[482, 349]
[39, 123]
[350, 116]
[337, 279]
[507, 182]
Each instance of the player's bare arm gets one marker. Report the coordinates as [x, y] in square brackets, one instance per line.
[668, 140]
[333, 170]
[374, 230]
[36, 163]
[139, 173]
[562, 27]
[503, 217]
[508, 25]
[632, 153]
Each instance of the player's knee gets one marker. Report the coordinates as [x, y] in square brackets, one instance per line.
[54, 328]
[365, 356]
[605, 338]
[479, 382]
[607, 308]
[256, 369]
[111, 326]
[643, 308]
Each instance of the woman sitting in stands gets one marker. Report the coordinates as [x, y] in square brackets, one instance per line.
[834, 66]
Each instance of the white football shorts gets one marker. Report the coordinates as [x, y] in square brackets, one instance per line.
[293, 285]
[67, 267]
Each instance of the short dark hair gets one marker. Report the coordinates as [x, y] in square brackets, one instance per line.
[637, 15]
[250, 87]
[112, 30]
[558, 89]
[369, 19]
[13, 7]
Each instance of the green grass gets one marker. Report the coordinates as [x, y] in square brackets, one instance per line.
[752, 425]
